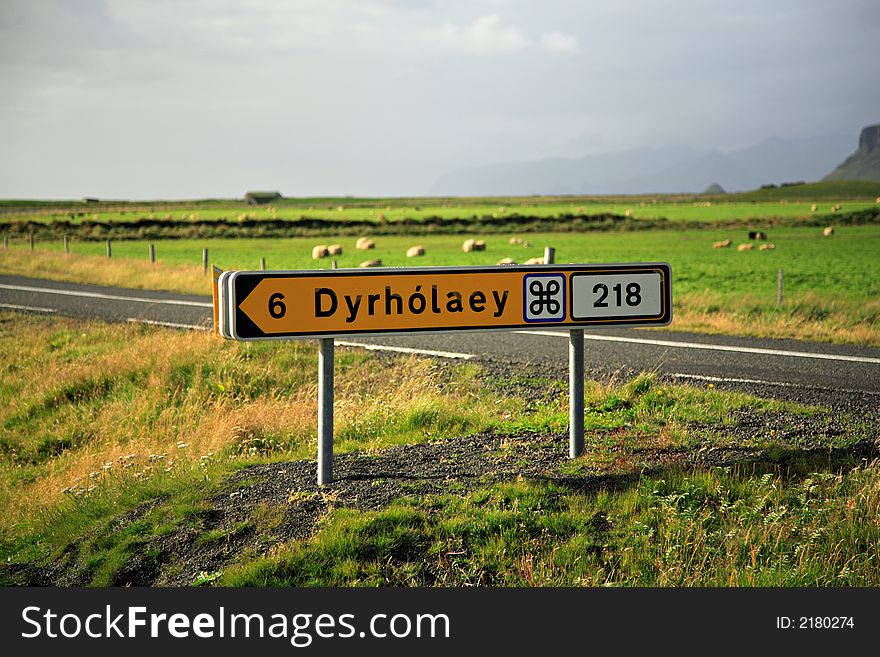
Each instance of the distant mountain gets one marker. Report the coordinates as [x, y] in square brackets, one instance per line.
[714, 188]
[864, 164]
[653, 170]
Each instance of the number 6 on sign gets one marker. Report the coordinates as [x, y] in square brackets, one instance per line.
[277, 309]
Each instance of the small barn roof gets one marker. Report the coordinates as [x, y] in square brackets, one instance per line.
[262, 195]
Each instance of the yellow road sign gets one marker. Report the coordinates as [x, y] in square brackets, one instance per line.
[328, 303]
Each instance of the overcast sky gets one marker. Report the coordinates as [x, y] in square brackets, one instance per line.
[197, 98]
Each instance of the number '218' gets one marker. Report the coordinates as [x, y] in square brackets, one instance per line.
[633, 294]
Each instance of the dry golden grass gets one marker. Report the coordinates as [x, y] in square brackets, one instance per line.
[143, 400]
[117, 272]
[805, 316]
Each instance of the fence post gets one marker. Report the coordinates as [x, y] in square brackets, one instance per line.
[31, 240]
[66, 246]
[5, 242]
[109, 250]
[262, 264]
[205, 260]
[779, 288]
[152, 253]
[549, 255]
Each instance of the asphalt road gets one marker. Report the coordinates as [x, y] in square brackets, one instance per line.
[810, 371]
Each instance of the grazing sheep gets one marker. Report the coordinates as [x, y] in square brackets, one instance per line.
[500, 210]
[878, 200]
[757, 235]
[370, 263]
[767, 247]
[320, 251]
[364, 244]
[340, 208]
[722, 245]
[814, 207]
[415, 251]
[468, 246]
[828, 232]
[514, 240]
[534, 261]
[628, 213]
[334, 249]
[479, 245]
[745, 247]
[835, 208]
[506, 261]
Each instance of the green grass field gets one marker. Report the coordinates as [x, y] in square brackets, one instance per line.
[841, 266]
[831, 288]
[703, 211]
[788, 202]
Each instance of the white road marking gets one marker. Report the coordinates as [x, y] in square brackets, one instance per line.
[713, 347]
[99, 295]
[12, 306]
[780, 384]
[137, 320]
[405, 350]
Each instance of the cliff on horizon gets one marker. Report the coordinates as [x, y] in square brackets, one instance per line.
[864, 164]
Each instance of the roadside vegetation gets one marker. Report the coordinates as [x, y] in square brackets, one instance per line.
[89, 405]
[723, 527]
[140, 455]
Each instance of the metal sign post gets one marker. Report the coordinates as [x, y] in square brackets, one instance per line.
[575, 392]
[326, 304]
[325, 411]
